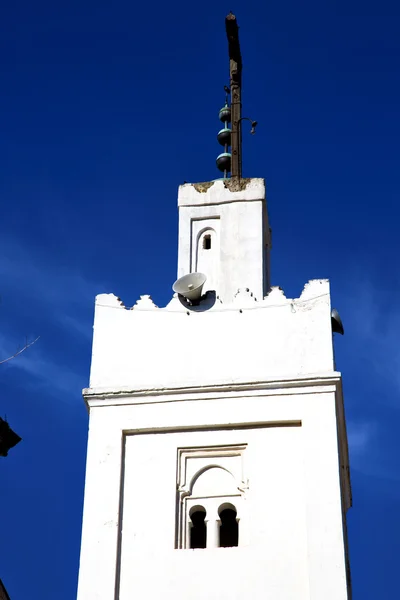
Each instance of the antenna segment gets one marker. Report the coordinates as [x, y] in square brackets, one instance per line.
[231, 162]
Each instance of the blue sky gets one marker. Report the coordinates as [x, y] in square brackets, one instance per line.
[105, 109]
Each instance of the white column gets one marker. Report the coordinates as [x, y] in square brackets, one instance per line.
[213, 533]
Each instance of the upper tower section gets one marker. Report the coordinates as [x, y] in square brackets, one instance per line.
[223, 224]
[224, 233]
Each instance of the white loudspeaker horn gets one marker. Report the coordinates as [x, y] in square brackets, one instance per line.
[190, 286]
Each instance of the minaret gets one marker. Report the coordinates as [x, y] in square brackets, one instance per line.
[217, 461]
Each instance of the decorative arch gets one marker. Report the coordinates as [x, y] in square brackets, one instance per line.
[205, 231]
[229, 526]
[226, 506]
[210, 493]
[207, 256]
[198, 528]
[204, 470]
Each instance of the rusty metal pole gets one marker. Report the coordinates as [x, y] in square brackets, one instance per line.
[235, 70]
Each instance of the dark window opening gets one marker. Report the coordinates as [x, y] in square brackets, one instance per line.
[198, 531]
[207, 242]
[229, 528]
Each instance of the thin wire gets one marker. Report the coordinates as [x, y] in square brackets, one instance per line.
[290, 302]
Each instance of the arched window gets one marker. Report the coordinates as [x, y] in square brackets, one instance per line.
[211, 487]
[229, 528]
[198, 530]
[207, 242]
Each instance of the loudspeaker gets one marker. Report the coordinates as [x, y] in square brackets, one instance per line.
[337, 325]
[8, 438]
[190, 286]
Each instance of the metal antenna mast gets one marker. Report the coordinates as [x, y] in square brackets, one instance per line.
[235, 72]
[231, 162]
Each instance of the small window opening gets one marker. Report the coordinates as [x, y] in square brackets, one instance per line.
[229, 528]
[198, 531]
[207, 242]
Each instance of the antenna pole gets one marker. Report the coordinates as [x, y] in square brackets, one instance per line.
[235, 71]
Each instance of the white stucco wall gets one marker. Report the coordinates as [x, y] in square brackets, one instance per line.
[150, 347]
[294, 547]
[244, 378]
[243, 238]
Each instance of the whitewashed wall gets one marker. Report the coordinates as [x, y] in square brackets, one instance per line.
[241, 226]
[150, 347]
[295, 546]
[241, 370]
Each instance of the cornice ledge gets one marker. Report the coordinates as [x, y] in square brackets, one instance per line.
[297, 381]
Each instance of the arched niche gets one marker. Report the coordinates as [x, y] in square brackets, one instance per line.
[213, 481]
[208, 256]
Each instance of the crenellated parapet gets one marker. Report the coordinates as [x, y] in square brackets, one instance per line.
[244, 340]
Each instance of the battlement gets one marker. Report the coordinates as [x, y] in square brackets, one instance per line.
[147, 347]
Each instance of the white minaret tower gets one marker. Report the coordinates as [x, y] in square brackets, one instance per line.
[217, 461]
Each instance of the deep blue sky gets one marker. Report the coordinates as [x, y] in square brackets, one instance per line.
[105, 109]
